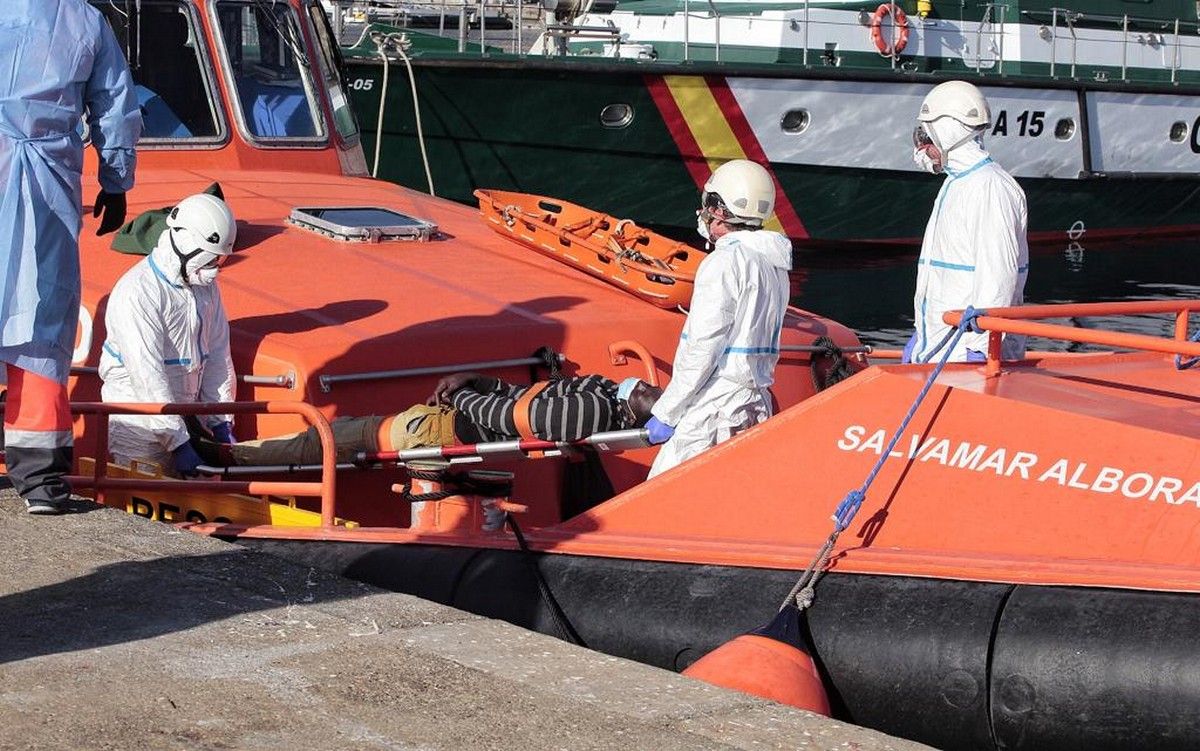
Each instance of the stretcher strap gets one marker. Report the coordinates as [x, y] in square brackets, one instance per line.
[523, 410]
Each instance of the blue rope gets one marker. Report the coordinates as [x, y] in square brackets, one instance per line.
[850, 505]
[1180, 363]
[803, 592]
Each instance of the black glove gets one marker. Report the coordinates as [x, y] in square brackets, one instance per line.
[113, 206]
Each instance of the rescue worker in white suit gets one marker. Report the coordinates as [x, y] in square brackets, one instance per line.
[168, 338]
[725, 361]
[974, 250]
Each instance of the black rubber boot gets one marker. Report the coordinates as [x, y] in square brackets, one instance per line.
[39, 475]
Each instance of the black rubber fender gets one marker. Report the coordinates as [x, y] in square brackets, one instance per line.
[954, 664]
[1096, 669]
[908, 656]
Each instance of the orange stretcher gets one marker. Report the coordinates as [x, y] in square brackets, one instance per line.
[658, 270]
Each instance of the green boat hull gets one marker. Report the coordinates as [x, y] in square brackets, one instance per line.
[535, 126]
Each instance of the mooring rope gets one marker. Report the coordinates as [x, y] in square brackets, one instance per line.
[803, 592]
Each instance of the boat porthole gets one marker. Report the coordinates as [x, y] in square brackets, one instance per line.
[1064, 129]
[1179, 131]
[616, 116]
[795, 121]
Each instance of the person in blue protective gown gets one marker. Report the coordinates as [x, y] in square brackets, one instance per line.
[58, 58]
[725, 361]
[974, 252]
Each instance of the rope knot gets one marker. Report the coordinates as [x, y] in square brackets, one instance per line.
[969, 322]
[804, 598]
[847, 509]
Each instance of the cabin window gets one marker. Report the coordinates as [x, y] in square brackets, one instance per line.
[170, 70]
[271, 70]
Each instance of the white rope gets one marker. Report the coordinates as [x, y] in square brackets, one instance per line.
[379, 41]
[398, 41]
[412, 80]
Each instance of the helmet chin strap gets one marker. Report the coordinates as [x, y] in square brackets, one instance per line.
[183, 258]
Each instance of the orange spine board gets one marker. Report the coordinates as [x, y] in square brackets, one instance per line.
[645, 264]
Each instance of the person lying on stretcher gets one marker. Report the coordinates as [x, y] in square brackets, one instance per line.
[464, 408]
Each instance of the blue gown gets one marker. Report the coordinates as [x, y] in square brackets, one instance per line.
[56, 58]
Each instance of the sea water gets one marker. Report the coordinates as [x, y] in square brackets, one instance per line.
[872, 292]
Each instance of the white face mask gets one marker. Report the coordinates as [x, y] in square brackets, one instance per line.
[702, 226]
[203, 277]
[202, 269]
[923, 160]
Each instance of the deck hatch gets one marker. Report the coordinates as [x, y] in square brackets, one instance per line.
[362, 223]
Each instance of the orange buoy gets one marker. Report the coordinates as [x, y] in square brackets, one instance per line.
[762, 666]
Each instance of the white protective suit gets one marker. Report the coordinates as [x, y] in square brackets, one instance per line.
[167, 342]
[974, 251]
[727, 352]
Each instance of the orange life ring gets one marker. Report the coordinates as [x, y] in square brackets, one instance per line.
[900, 20]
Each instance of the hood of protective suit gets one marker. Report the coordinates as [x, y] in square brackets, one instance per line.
[960, 145]
[165, 260]
[774, 247]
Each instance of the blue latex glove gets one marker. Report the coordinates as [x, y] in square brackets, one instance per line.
[186, 460]
[974, 355]
[223, 432]
[659, 431]
[908, 348]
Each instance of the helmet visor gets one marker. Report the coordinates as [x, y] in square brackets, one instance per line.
[711, 206]
[921, 137]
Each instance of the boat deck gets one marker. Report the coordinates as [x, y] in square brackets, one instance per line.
[1141, 390]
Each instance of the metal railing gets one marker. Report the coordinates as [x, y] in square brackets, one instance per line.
[285, 380]
[325, 489]
[992, 29]
[1070, 17]
[327, 381]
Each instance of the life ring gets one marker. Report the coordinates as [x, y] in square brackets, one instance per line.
[901, 22]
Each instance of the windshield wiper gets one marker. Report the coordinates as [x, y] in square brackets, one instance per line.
[286, 31]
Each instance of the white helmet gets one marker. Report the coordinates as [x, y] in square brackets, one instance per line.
[745, 189]
[958, 100]
[202, 232]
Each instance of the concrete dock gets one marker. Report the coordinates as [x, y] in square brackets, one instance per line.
[121, 633]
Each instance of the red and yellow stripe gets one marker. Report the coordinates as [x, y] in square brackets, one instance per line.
[709, 128]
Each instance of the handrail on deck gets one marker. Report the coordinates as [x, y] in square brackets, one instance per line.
[1020, 320]
[325, 489]
[284, 380]
[327, 381]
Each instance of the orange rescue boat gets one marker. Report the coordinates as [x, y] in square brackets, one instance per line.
[1024, 571]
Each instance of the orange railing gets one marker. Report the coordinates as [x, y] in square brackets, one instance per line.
[101, 482]
[1020, 320]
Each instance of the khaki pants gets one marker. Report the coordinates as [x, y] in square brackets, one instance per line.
[414, 428]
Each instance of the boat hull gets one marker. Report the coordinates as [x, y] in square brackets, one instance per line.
[1095, 162]
[955, 664]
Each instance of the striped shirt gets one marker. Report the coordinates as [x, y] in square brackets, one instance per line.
[566, 410]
